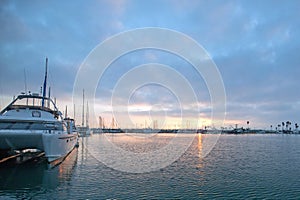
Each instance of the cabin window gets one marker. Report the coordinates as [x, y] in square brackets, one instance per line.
[36, 113]
[64, 126]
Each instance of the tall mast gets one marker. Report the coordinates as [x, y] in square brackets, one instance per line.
[74, 112]
[87, 114]
[45, 84]
[49, 93]
[82, 108]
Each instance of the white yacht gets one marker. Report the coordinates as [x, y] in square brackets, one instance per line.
[34, 122]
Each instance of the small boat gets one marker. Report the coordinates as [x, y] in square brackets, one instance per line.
[84, 131]
[32, 121]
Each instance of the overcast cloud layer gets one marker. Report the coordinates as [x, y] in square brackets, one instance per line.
[255, 45]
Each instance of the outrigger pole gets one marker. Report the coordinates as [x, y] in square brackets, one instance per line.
[45, 84]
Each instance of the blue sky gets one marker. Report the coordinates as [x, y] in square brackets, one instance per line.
[255, 45]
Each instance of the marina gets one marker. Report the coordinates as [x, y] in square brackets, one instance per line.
[149, 100]
[44, 154]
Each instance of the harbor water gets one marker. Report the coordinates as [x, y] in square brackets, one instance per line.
[249, 166]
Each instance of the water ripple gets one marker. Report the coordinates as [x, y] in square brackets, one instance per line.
[238, 167]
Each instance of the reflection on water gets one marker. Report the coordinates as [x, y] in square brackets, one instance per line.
[36, 174]
[238, 167]
[199, 145]
[136, 154]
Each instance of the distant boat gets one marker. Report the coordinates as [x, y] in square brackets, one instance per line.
[84, 131]
[34, 122]
[234, 131]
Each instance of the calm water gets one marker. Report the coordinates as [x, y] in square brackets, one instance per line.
[238, 167]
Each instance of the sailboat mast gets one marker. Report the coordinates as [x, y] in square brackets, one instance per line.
[74, 112]
[45, 84]
[87, 114]
[82, 108]
[49, 93]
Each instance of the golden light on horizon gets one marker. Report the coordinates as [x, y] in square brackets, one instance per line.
[135, 116]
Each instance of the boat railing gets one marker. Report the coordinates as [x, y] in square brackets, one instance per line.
[15, 105]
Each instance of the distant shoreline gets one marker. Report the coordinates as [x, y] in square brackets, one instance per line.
[202, 131]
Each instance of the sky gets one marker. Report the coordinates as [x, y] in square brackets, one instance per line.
[254, 44]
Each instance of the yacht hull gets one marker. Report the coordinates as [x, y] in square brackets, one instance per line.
[58, 145]
[55, 145]
[21, 139]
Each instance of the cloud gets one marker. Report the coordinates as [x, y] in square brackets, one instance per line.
[254, 45]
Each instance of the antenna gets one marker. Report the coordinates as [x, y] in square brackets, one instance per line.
[66, 113]
[25, 81]
[25, 84]
[45, 84]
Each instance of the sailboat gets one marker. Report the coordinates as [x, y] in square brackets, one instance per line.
[32, 121]
[84, 130]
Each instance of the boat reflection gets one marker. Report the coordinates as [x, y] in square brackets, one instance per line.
[37, 174]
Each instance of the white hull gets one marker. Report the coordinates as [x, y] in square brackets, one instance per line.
[55, 145]
[58, 145]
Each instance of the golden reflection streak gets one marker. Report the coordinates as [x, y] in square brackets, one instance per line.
[200, 165]
[66, 168]
[200, 145]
